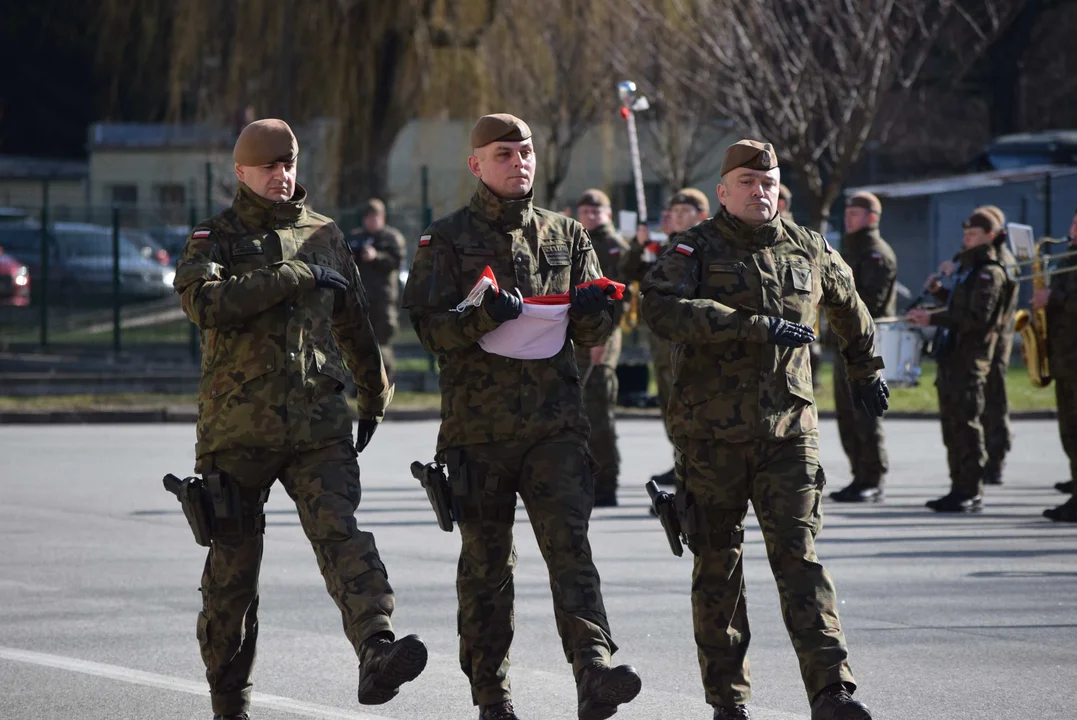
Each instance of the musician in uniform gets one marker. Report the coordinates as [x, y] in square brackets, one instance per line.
[874, 267]
[967, 331]
[1060, 300]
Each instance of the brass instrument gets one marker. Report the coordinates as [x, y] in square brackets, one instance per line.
[1032, 327]
[630, 318]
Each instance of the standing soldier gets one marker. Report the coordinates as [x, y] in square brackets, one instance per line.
[598, 365]
[737, 297]
[874, 267]
[271, 285]
[516, 426]
[1061, 303]
[968, 331]
[785, 203]
[379, 251]
[687, 208]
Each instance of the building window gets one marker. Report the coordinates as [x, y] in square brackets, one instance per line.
[170, 203]
[124, 195]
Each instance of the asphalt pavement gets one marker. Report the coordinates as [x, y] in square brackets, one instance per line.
[947, 617]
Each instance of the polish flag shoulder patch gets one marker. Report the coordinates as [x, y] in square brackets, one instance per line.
[201, 234]
[424, 241]
[684, 249]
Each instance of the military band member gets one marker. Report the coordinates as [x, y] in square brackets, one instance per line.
[737, 295]
[516, 426]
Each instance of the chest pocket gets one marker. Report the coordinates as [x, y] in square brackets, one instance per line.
[800, 279]
[473, 260]
[726, 282]
[248, 253]
[556, 255]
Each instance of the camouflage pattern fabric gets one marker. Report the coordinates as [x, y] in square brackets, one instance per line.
[1062, 352]
[998, 436]
[324, 483]
[1066, 397]
[874, 267]
[553, 479]
[272, 344]
[784, 482]
[381, 280]
[486, 397]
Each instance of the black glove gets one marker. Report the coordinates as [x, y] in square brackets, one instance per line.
[364, 433]
[505, 306]
[873, 396]
[789, 334]
[327, 278]
[590, 300]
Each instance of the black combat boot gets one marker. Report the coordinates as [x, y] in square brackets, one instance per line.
[601, 688]
[857, 492]
[835, 702]
[500, 711]
[956, 502]
[1065, 487]
[1066, 512]
[732, 712]
[385, 665]
[241, 716]
[668, 478]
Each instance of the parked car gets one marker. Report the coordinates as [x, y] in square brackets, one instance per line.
[14, 281]
[149, 247]
[171, 237]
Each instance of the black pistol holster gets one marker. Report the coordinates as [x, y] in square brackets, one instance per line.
[432, 477]
[215, 509]
[664, 508]
[197, 506]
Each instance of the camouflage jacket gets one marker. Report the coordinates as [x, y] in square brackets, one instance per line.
[610, 249]
[271, 372]
[1062, 319]
[711, 294]
[975, 311]
[874, 267]
[487, 397]
[381, 276]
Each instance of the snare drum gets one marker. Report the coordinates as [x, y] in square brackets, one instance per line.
[900, 344]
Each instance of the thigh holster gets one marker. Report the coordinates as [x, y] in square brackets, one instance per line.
[698, 529]
[238, 512]
[477, 497]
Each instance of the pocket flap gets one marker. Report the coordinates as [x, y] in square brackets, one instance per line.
[328, 366]
[221, 382]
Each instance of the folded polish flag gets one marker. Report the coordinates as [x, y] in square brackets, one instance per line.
[540, 330]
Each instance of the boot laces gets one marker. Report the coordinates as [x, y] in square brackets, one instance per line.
[501, 711]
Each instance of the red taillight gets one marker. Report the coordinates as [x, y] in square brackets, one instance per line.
[163, 258]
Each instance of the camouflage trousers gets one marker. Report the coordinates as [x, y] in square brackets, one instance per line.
[862, 437]
[962, 397]
[553, 478]
[662, 357]
[600, 402]
[324, 484]
[1066, 395]
[998, 437]
[783, 481]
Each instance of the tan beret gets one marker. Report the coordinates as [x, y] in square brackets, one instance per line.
[264, 142]
[749, 154]
[373, 206]
[865, 200]
[995, 211]
[986, 221]
[693, 197]
[785, 193]
[502, 126]
[594, 197]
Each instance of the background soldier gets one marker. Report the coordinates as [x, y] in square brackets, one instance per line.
[270, 284]
[968, 331]
[785, 203]
[379, 251]
[874, 267]
[516, 426]
[745, 425]
[1061, 303]
[598, 365]
[687, 208]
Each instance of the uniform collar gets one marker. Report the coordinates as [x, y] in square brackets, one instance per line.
[258, 212]
[501, 212]
[746, 236]
[605, 231]
[978, 255]
[861, 236]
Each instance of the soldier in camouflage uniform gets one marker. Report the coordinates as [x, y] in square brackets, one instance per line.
[874, 267]
[737, 296]
[516, 426]
[688, 207]
[379, 252]
[278, 301]
[968, 331]
[598, 365]
[1060, 299]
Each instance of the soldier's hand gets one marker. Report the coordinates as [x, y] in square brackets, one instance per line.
[789, 334]
[327, 278]
[873, 396]
[590, 300]
[364, 433]
[505, 306]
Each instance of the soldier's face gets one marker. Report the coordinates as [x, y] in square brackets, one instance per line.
[275, 182]
[374, 222]
[683, 216]
[857, 218]
[975, 237]
[593, 216]
[750, 195]
[507, 168]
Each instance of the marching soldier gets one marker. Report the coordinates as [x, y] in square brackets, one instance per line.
[737, 297]
[379, 251]
[968, 331]
[598, 365]
[874, 267]
[516, 426]
[687, 208]
[279, 303]
[1061, 303]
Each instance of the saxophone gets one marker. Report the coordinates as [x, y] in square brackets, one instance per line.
[1032, 327]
